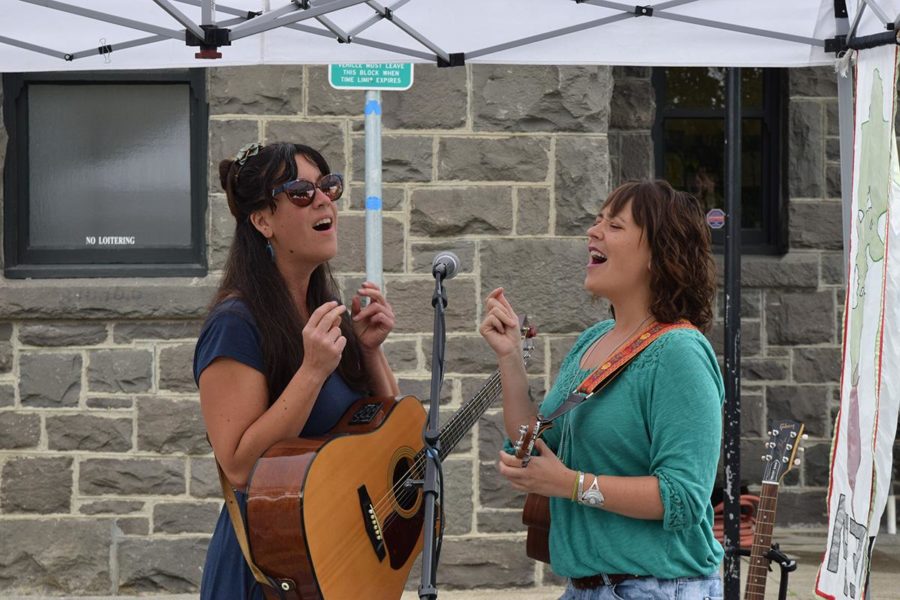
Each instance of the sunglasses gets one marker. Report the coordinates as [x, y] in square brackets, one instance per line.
[302, 192]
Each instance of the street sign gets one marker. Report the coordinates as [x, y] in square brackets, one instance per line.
[716, 218]
[378, 76]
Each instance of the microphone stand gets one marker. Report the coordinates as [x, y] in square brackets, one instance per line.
[431, 488]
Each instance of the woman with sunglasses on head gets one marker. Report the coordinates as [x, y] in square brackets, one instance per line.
[279, 355]
[630, 469]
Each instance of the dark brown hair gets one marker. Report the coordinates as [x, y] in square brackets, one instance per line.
[251, 274]
[682, 270]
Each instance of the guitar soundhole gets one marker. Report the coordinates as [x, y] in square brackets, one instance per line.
[406, 496]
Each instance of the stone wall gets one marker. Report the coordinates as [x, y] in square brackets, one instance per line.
[106, 481]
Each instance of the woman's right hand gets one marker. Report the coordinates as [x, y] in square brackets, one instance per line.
[500, 327]
[323, 342]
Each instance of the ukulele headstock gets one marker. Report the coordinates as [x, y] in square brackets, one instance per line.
[528, 435]
[781, 450]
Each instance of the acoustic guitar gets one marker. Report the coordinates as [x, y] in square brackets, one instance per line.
[780, 458]
[341, 516]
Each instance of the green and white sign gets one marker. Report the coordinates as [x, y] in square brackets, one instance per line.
[378, 76]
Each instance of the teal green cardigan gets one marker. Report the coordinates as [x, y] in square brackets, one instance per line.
[661, 416]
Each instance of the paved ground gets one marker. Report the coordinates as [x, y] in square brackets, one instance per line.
[805, 547]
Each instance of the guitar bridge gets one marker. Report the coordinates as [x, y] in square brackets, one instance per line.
[370, 522]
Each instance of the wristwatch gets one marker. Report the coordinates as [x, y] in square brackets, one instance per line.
[592, 496]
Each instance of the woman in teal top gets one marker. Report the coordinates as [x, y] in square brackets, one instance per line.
[629, 471]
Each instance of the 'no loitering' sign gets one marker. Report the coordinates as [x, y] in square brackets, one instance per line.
[377, 76]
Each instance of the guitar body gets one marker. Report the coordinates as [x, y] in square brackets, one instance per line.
[311, 504]
[536, 516]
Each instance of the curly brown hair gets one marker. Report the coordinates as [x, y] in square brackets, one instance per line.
[682, 270]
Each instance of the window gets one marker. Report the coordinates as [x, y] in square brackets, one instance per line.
[689, 137]
[105, 174]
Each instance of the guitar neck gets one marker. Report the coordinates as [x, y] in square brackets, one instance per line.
[762, 543]
[466, 417]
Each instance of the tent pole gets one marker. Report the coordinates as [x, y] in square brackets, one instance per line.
[845, 123]
[373, 188]
[732, 414]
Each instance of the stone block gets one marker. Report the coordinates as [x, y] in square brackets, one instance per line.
[19, 430]
[832, 121]
[127, 332]
[404, 158]
[90, 433]
[120, 370]
[636, 156]
[256, 90]
[582, 182]
[533, 211]
[62, 334]
[792, 270]
[352, 245]
[36, 485]
[131, 477]
[326, 137]
[805, 403]
[800, 318]
[170, 426]
[833, 149]
[471, 354]
[460, 441]
[753, 407]
[816, 464]
[552, 294]
[817, 365]
[458, 496]
[132, 526]
[806, 155]
[438, 99]
[111, 507]
[796, 507]
[816, 225]
[834, 269]
[833, 180]
[226, 137]
[461, 211]
[6, 329]
[814, 82]
[161, 566]
[750, 340]
[204, 481]
[110, 403]
[175, 368]
[402, 355]
[49, 380]
[499, 521]
[185, 517]
[491, 435]
[751, 302]
[221, 231]
[411, 300]
[633, 104]
[135, 298]
[423, 254]
[493, 159]
[765, 369]
[7, 395]
[479, 563]
[49, 557]
[522, 98]
[324, 100]
[494, 491]
[391, 197]
[6, 357]
[421, 389]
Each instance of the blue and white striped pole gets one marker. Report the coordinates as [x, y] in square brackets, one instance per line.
[373, 188]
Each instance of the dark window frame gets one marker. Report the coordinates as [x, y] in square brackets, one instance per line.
[772, 238]
[21, 262]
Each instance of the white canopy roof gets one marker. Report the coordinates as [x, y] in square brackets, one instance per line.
[37, 35]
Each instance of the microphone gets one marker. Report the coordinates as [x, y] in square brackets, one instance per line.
[445, 265]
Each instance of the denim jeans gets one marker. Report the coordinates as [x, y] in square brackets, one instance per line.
[650, 588]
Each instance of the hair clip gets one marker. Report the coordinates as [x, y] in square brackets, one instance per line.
[246, 151]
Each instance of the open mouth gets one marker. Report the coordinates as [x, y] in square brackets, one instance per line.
[323, 224]
[597, 257]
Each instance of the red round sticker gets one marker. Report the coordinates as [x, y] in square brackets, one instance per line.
[715, 218]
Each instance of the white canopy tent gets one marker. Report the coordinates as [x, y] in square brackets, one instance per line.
[50, 35]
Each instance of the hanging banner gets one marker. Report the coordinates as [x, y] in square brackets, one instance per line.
[870, 379]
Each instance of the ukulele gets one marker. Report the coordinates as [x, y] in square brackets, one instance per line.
[536, 513]
[780, 458]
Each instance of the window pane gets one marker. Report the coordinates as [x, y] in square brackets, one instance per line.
[704, 88]
[694, 161]
[109, 166]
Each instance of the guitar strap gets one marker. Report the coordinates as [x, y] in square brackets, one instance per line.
[603, 374]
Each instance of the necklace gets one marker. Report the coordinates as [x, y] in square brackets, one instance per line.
[588, 357]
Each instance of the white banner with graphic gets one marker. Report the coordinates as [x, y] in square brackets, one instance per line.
[870, 378]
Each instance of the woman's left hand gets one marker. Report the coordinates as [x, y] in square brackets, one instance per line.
[545, 474]
[373, 323]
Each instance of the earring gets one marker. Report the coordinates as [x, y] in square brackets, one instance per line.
[270, 250]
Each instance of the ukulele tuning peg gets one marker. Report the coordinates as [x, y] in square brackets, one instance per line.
[523, 428]
[763, 458]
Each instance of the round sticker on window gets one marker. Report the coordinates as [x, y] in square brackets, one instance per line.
[715, 218]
